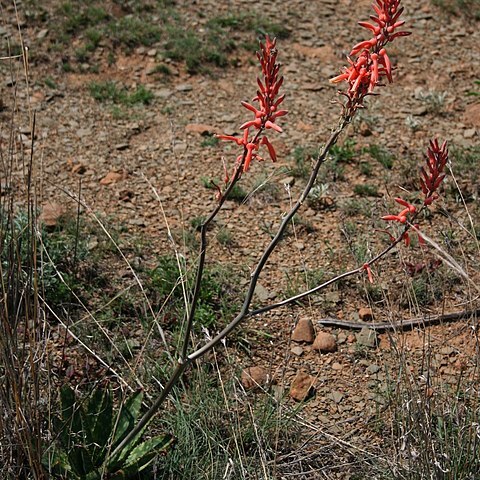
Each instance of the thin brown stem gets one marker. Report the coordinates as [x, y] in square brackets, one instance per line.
[203, 249]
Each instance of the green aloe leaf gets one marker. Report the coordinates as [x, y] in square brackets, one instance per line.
[73, 433]
[142, 455]
[127, 417]
[57, 463]
[99, 423]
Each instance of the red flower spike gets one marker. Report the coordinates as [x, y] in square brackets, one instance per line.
[369, 60]
[265, 113]
[433, 174]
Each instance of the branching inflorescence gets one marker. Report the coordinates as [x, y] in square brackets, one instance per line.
[368, 60]
[369, 64]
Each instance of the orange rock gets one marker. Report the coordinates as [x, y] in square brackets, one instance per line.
[254, 377]
[302, 386]
[113, 177]
[200, 128]
[325, 343]
[365, 314]
[304, 331]
[51, 213]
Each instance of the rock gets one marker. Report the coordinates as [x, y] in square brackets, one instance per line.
[184, 87]
[200, 128]
[472, 115]
[365, 129]
[121, 146]
[336, 396]
[163, 93]
[42, 33]
[367, 337]
[51, 214]
[113, 177]
[324, 54]
[79, 169]
[254, 377]
[469, 133]
[373, 369]
[297, 351]
[289, 181]
[263, 294]
[325, 343]
[304, 331]
[365, 314]
[302, 386]
[337, 366]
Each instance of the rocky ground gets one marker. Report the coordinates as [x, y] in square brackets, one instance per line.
[141, 166]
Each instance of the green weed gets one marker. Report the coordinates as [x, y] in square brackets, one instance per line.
[130, 32]
[475, 93]
[211, 141]
[78, 16]
[366, 190]
[343, 153]
[218, 295]
[225, 237]
[113, 92]
[381, 155]
[218, 432]
[303, 158]
[237, 194]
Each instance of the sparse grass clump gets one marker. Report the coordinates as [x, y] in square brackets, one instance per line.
[220, 429]
[115, 93]
[366, 190]
[167, 284]
[382, 155]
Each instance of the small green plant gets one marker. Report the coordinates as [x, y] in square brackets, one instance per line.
[318, 197]
[475, 93]
[132, 31]
[356, 206]
[50, 83]
[343, 153]
[211, 141]
[381, 155]
[225, 236]
[113, 92]
[434, 101]
[302, 157]
[237, 194]
[366, 169]
[77, 16]
[217, 299]
[465, 161]
[366, 190]
[89, 432]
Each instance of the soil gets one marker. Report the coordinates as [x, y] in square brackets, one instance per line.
[142, 167]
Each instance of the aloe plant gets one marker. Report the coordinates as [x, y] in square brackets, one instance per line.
[89, 431]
